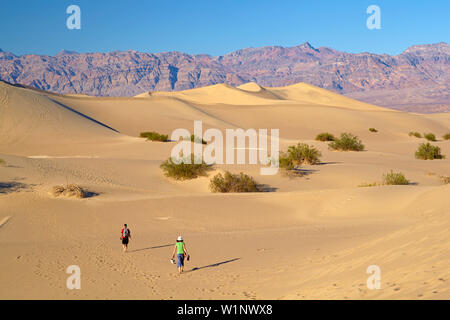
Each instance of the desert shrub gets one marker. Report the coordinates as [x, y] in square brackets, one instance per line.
[2, 162]
[195, 139]
[69, 190]
[184, 171]
[233, 183]
[154, 136]
[373, 130]
[325, 136]
[415, 134]
[429, 136]
[302, 153]
[426, 151]
[347, 142]
[395, 178]
[285, 162]
[446, 136]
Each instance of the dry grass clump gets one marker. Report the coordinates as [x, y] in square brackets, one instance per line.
[154, 136]
[445, 179]
[69, 190]
[233, 183]
[364, 185]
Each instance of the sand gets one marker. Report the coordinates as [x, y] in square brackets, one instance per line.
[312, 238]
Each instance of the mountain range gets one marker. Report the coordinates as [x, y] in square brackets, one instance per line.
[416, 80]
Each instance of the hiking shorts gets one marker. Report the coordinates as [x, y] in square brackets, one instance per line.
[125, 241]
[180, 260]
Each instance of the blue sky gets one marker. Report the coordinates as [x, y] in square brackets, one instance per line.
[219, 27]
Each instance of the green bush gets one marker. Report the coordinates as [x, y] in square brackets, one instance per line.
[395, 178]
[184, 170]
[2, 162]
[446, 136]
[415, 134]
[429, 136]
[325, 136]
[233, 183]
[299, 154]
[347, 142]
[285, 161]
[195, 139]
[426, 151]
[154, 136]
[373, 130]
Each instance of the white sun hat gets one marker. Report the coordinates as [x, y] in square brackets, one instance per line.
[180, 238]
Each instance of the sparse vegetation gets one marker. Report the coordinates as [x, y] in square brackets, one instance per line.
[325, 136]
[373, 130]
[233, 183]
[445, 179]
[285, 162]
[364, 185]
[347, 142]
[415, 134]
[429, 136]
[195, 139]
[446, 136]
[300, 154]
[69, 190]
[390, 178]
[426, 151]
[184, 170]
[154, 136]
[395, 178]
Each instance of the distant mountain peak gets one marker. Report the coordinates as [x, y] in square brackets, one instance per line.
[433, 46]
[307, 45]
[65, 52]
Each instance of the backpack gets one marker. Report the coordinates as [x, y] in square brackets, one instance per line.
[126, 232]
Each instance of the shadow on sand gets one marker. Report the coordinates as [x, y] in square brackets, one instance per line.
[212, 265]
[10, 187]
[266, 188]
[150, 248]
[90, 194]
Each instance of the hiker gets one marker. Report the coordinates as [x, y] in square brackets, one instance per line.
[180, 250]
[125, 237]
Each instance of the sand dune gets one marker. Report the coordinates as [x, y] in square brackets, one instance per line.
[313, 237]
[223, 94]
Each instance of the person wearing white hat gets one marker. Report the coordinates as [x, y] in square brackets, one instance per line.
[181, 252]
